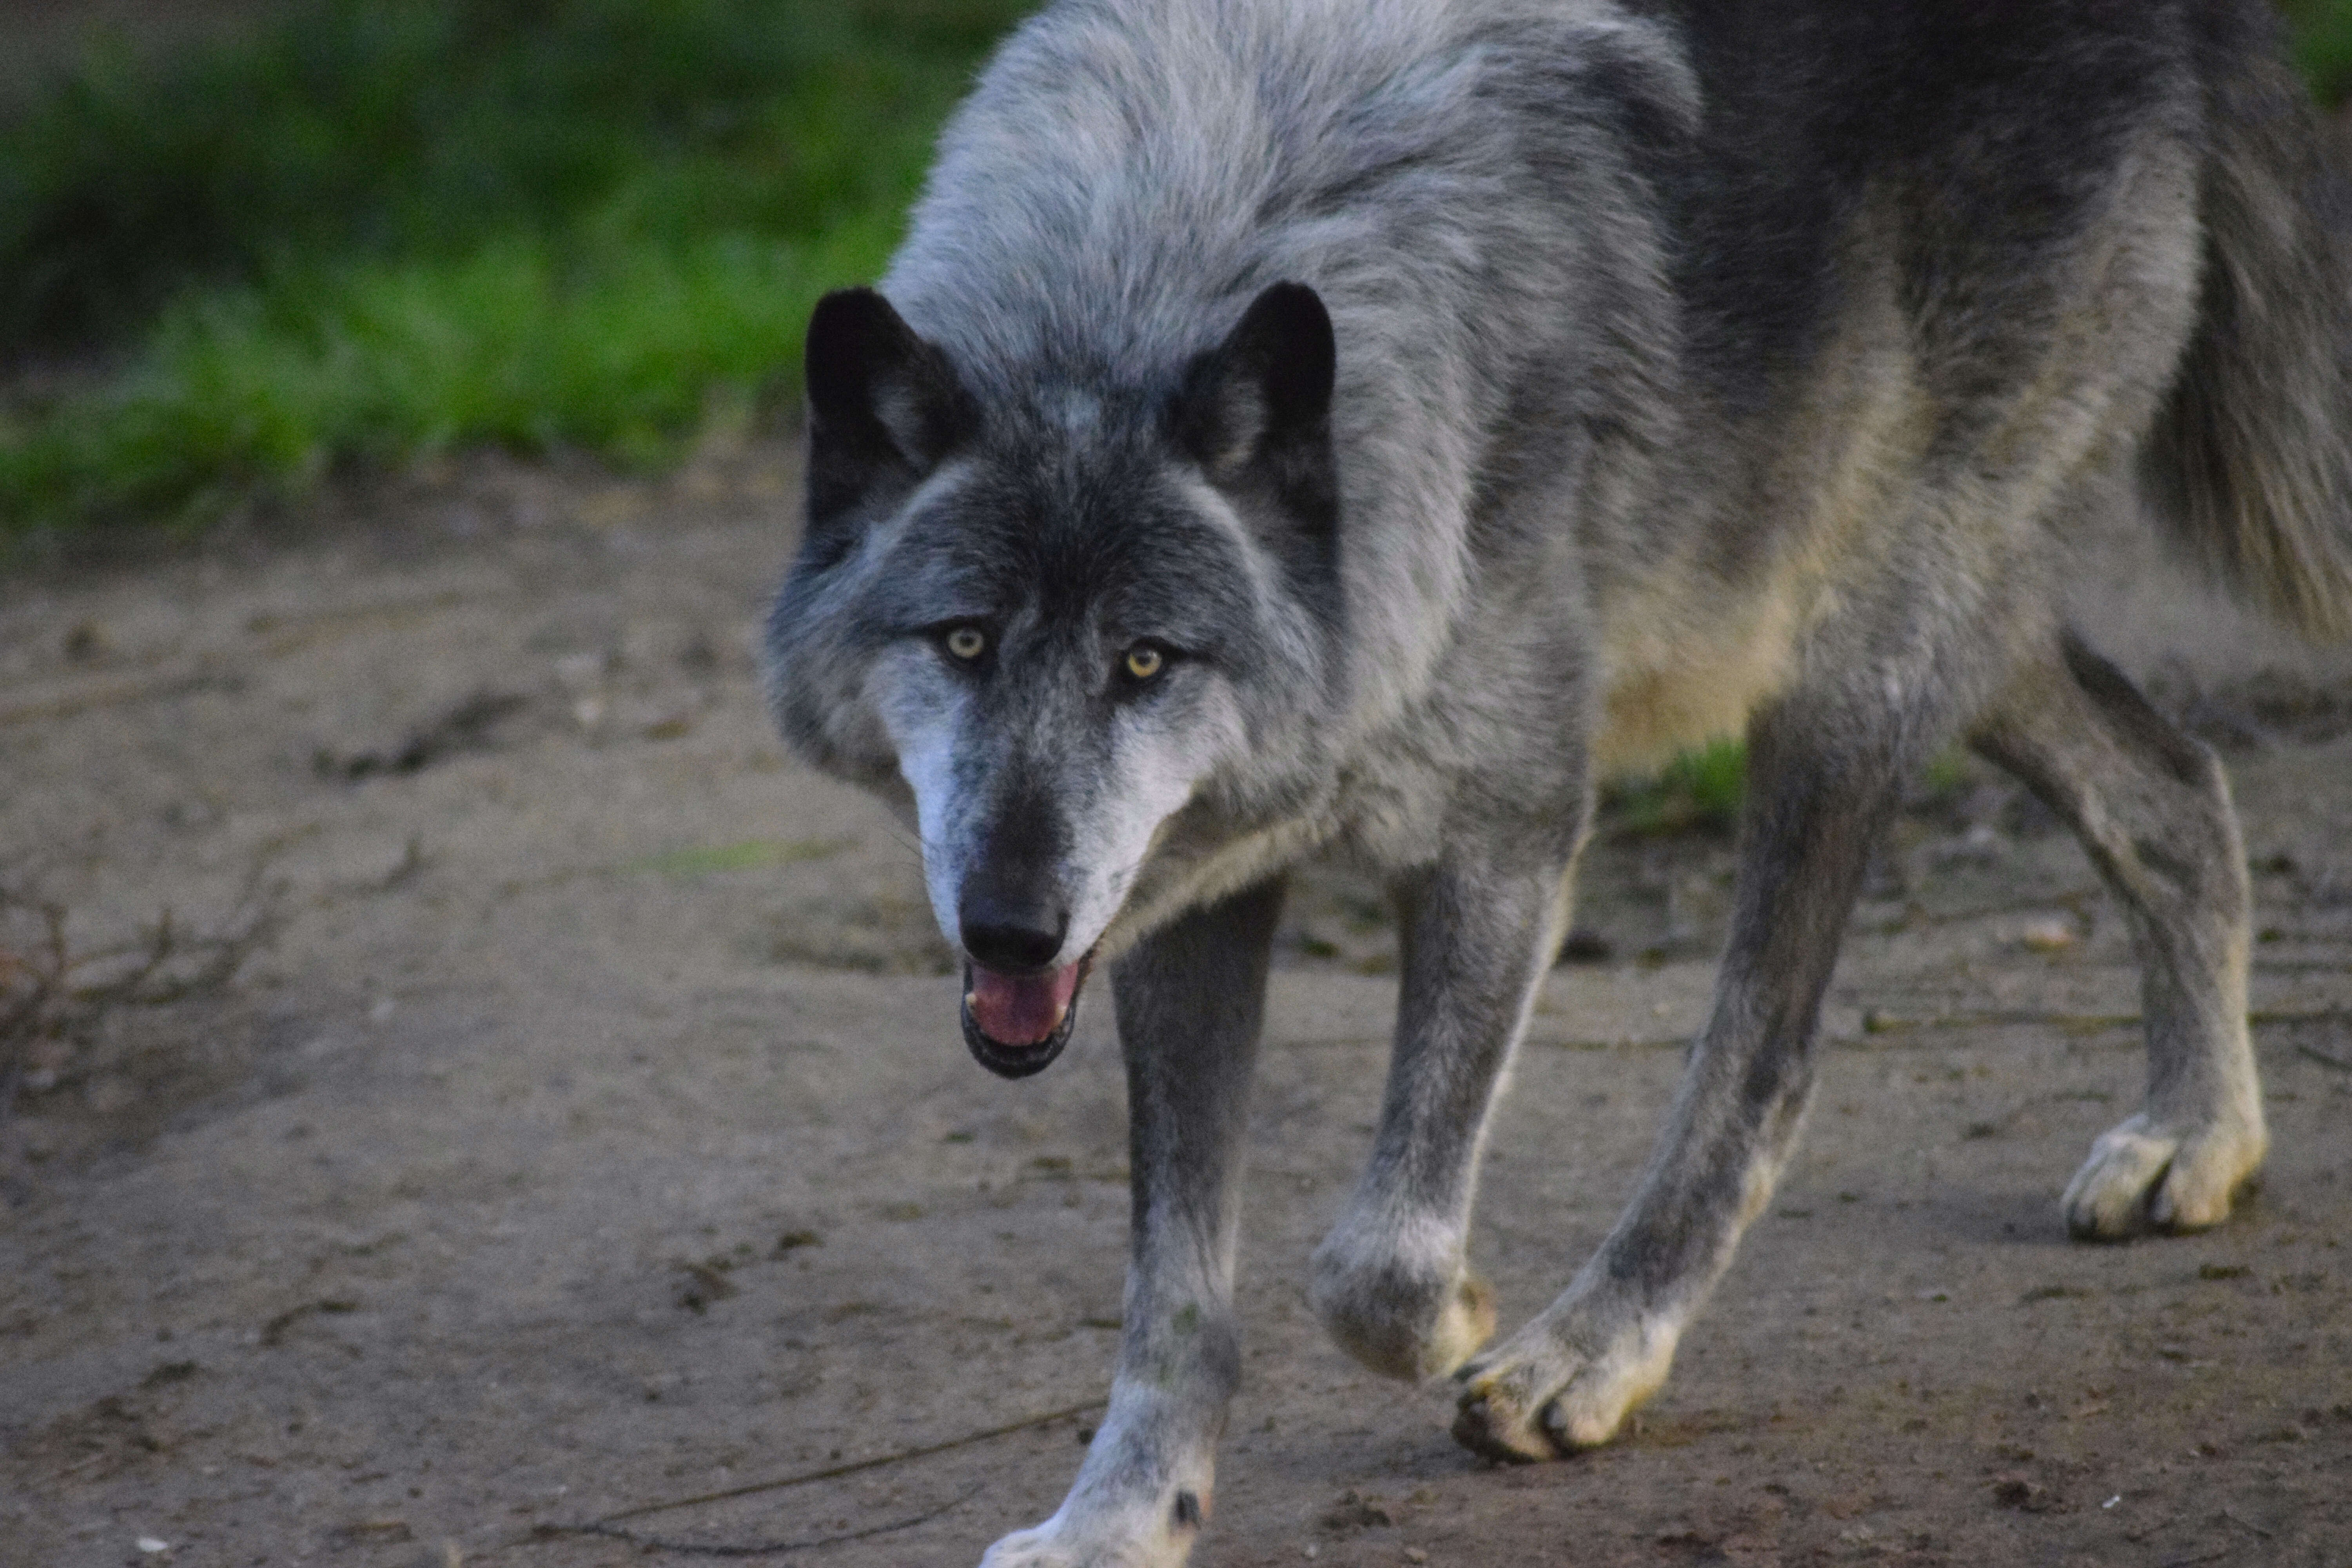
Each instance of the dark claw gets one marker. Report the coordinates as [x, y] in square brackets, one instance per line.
[1471, 1430]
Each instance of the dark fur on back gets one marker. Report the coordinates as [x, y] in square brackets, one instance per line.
[1991, 125]
[1998, 122]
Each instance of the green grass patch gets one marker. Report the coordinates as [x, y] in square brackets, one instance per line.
[1697, 792]
[382, 228]
[374, 230]
[2323, 46]
[260, 391]
[407, 128]
[1700, 791]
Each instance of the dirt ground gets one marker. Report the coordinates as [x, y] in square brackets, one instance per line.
[587, 1128]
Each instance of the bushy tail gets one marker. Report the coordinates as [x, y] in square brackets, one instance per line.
[2251, 456]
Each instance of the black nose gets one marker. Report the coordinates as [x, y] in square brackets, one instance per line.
[1012, 936]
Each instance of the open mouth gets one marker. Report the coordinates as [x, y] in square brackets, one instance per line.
[1017, 1024]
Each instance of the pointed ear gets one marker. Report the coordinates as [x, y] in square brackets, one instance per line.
[1256, 412]
[1268, 384]
[884, 406]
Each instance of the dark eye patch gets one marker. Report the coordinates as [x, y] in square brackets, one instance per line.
[1120, 558]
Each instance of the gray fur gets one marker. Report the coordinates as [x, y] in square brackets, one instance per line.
[1701, 367]
[2252, 460]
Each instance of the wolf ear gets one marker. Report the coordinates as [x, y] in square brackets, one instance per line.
[884, 406]
[1267, 387]
[1255, 410]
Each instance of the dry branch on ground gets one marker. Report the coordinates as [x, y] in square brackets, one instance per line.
[54, 994]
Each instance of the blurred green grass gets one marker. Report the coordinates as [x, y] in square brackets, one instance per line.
[376, 230]
[2322, 39]
[1697, 792]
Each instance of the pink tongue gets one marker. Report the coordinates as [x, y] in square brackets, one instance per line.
[1020, 1009]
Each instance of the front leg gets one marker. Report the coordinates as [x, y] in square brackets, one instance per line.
[1191, 999]
[1813, 810]
[1479, 931]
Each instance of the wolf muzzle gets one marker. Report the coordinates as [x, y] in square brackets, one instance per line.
[1016, 1024]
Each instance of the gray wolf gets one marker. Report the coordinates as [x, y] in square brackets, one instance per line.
[1357, 426]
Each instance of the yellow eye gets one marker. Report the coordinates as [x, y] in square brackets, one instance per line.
[1144, 661]
[967, 642]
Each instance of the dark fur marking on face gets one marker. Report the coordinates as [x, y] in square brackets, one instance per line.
[1186, 1514]
[1098, 547]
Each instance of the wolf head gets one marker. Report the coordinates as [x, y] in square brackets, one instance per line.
[1047, 607]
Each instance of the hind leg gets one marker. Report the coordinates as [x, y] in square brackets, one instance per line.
[2152, 807]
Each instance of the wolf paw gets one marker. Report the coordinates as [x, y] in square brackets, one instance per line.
[1153, 1538]
[2144, 1176]
[1398, 1322]
[1558, 1385]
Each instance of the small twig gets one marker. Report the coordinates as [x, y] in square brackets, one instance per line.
[1914, 914]
[758, 1547]
[48, 990]
[1877, 1022]
[2074, 1023]
[2194, 1561]
[108, 692]
[2245, 1524]
[854, 1467]
[2147, 1531]
[2262, 1016]
[2259, 1017]
[2302, 966]
[1623, 1043]
[2323, 1058]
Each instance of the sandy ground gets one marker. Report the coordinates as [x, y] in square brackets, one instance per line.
[595, 1133]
